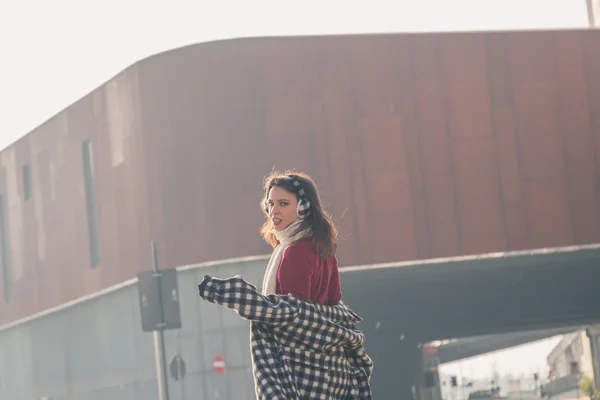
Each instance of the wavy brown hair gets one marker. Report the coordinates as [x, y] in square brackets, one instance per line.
[323, 229]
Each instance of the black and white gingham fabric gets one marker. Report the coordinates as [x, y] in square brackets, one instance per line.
[303, 209]
[300, 350]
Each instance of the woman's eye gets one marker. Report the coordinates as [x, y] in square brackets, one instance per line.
[283, 204]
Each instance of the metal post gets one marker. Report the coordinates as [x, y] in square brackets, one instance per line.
[590, 13]
[159, 338]
[462, 380]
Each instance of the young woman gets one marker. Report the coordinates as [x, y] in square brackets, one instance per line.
[303, 263]
[304, 340]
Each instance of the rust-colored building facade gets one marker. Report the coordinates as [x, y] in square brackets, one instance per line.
[424, 145]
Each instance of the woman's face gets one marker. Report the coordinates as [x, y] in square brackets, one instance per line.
[282, 207]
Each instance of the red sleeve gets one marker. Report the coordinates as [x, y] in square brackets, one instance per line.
[295, 272]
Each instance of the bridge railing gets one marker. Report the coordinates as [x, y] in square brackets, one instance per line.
[560, 385]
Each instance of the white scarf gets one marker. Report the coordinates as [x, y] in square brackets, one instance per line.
[285, 237]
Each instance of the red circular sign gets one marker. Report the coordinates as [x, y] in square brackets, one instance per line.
[219, 364]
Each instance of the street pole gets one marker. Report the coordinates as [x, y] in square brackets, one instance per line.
[159, 338]
[462, 381]
[590, 13]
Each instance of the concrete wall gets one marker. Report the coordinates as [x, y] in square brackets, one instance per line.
[95, 349]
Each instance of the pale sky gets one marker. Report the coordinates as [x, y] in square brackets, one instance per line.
[55, 52]
[525, 359]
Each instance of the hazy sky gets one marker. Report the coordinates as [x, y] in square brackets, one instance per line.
[54, 52]
[526, 359]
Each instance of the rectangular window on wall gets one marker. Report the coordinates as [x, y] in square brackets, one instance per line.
[6, 275]
[26, 182]
[88, 176]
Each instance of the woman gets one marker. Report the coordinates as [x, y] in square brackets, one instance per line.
[303, 263]
[304, 342]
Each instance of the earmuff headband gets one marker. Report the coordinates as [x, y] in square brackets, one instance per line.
[303, 208]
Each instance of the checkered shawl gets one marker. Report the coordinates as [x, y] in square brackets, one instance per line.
[300, 349]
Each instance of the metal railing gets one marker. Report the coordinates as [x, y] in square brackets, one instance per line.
[560, 385]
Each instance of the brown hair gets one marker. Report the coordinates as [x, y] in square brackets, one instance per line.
[323, 229]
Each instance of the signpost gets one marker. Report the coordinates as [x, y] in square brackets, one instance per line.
[159, 300]
[219, 364]
[159, 308]
[432, 358]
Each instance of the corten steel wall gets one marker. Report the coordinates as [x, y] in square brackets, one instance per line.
[47, 236]
[427, 144]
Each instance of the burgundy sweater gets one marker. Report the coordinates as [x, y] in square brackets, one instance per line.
[307, 276]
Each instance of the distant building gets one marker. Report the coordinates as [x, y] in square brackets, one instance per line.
[572, 355]
[571, 360]
[506, 385]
